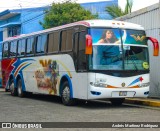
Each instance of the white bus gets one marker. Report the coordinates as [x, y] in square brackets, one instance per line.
[93, 59]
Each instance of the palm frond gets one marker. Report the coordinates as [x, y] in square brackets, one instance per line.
[116, 11]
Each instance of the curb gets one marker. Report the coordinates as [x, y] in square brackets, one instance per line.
[2, 90]
[146, 102]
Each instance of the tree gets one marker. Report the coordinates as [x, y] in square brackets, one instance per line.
[64, 13]
[117, 11]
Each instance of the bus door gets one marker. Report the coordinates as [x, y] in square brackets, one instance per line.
[80, 62]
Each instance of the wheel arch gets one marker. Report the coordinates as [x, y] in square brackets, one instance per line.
[63, 79]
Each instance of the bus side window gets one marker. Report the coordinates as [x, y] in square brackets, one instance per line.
[63, 40]
[13, 48]
[41, 44]
[21, 47]
[5, 50]
[66, 40]
[30, 46]
[82, 65]
[69, 40]
[53, 42]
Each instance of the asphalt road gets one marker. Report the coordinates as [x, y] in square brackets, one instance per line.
[42, 108]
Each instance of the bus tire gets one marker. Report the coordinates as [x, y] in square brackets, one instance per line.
[7, 90]
[12, 88]
[66, 93]
[20, 91]
[117, 101]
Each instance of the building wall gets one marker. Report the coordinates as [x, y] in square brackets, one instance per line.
[30, 19]
[149, 18]
[99, 7]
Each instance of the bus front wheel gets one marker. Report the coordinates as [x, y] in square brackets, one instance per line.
[117, 101]
[66, 95]
[19, 89]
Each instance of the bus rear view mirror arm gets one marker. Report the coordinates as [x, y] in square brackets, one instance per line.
[155, 46]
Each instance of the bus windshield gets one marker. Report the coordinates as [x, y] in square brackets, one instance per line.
[116, 49]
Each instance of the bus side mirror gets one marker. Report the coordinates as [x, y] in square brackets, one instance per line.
[155, 46]
[88, 50]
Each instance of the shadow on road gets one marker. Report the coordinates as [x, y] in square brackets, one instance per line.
[91, 104]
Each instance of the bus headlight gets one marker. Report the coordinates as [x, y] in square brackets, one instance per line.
[96, 84]
[144, 84]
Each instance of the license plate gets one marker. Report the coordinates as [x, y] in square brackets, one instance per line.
[123, 93]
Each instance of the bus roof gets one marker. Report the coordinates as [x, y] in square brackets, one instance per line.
[87, 23]
[114, 24]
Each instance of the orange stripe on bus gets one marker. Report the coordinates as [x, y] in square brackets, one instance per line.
[134, 86]
[15, 74]
[108, 86]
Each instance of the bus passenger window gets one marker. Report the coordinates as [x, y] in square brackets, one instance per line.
[53, 42]
[41, 44]
[30, 46]
[5, 50]
[13, 48]
[21, 47]
[63, 40]
[69, 40]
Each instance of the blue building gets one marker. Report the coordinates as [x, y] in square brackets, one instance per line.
[20, 21]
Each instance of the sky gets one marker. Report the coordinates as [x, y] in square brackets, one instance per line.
[10, 4]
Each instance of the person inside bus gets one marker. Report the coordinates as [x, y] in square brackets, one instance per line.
[108, 36]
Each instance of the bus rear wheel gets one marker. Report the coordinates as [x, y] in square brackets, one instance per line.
[12, 88]
[66, 95]
[20, 91]
[117, 101]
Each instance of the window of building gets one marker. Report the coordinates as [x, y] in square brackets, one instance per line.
[13, 48]
[53, 42]
[21, 47]
[13, 31]
[41, 44]
[30, 46]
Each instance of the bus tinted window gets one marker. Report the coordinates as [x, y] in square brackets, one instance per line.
[63, 40]
[5, 49]
[66, 40]
[53, 42]
[69, 40]
[81, 55]
[41, 44]
[13, 48]
[21, 47]
[30, 46]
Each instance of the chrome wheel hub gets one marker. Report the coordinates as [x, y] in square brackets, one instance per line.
[66, 93]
